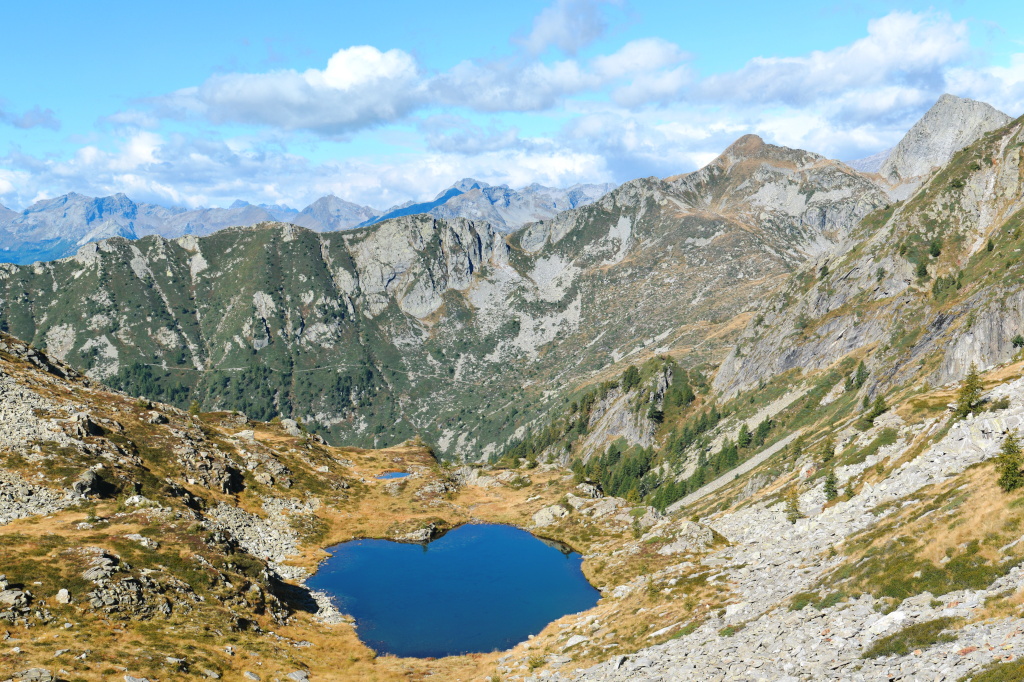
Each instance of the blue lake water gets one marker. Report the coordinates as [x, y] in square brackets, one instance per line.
[393, 474]
[478, 588]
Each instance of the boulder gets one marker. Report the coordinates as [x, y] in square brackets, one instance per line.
[13, 598]
[549, 515]
[87, 484]
[291, 427]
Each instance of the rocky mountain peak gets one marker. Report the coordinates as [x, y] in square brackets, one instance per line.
[465, 185]
[746, 146]
[950, 125]
[753, 148]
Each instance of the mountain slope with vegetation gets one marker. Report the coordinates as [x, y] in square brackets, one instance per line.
[440, 328]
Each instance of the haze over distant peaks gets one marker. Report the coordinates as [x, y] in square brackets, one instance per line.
[870, 164]
[330, 213]
[55, 228]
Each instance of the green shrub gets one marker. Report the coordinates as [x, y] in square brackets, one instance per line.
[998, 672]
[916, 636]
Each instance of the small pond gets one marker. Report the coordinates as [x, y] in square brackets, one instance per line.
[478, 588]
[393, 474]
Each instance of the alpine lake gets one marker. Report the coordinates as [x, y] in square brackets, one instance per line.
[477, 588]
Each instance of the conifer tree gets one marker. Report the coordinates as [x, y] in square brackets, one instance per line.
[1010, 463]
[969, 396]
[828, 449]
[877, 408]
[743, 437]
[793, 513]
[861, 376]
[831, 489]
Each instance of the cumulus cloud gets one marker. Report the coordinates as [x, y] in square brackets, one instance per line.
[1000, 86]
[568, 25]
[511, 85]
[360, 87]
[36, 117]
[457, 135]
[646, 112]
[902, 48]
[190, 171]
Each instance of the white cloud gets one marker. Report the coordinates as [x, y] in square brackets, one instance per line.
[568, 25]
[1000, 86]
[36, 117]
[639, 57]
[510, 85]
[360, 87]
[900, 48]
[180, 170]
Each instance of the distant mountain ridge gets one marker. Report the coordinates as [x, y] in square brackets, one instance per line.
[504, 208]
[58, 227]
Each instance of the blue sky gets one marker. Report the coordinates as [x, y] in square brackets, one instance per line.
[204, 103]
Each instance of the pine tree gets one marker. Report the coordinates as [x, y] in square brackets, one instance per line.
[793, 513]
[831, 489]
[877, 408]
[1010, 463]
[828, 449]
[861, 376]
[849, 489]
[969, 395]
[630, 378]
[743, 437]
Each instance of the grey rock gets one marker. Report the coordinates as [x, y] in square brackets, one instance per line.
[14, 598]
[291, 427]
[87, 484]
[950, 125]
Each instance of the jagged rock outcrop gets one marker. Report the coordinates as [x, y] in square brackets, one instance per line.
[950, 125]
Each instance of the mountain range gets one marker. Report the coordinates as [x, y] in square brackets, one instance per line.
[56, 228]
[772, 402]
[417, 324]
